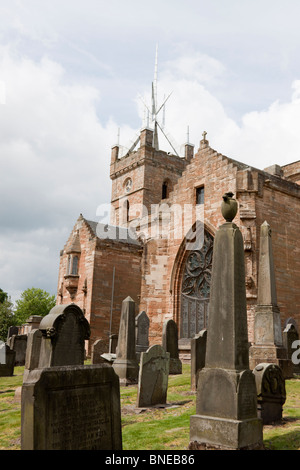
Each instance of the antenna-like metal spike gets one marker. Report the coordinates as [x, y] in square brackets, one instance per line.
[164, 115]
[155, 76]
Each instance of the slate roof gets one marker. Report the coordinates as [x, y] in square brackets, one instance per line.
[111, 232]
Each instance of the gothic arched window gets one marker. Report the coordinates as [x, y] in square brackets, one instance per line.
[195, 288]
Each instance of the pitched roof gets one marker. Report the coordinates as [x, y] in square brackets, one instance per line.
[111, 232]
[75, 245]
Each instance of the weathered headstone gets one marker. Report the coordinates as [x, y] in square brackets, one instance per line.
[268, 343]
[290, 335]
[19, 344]
[170, 344]
[110, 357]
[71, 408]
[12, 330]
[33, 322]
[32, 358]
[226, 404]
[7, 367]
[153, 377]
[64, 331]
[125, 364]
[2, 352]
[98, 348]
[142, 333]
[271, 393]
[198, 352]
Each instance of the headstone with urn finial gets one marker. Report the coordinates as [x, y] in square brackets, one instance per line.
[226, 404]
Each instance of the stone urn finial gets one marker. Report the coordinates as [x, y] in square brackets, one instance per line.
[229, 207]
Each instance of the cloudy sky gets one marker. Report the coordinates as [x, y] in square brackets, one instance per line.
[73, 72]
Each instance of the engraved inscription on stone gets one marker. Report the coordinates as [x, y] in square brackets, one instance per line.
[247, 395]
[78, 421]
[71, 408]
[69, 342]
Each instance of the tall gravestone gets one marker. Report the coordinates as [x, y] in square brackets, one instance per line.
[64, 332]
[226, 403]
[32, 357]
[153, 377]
[268, 342]
[198, 352]
[71, 408]
[271, 393]
[125, 364]
[142, 333]
[170, 344]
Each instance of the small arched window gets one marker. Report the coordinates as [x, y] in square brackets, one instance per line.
[73, 261]
[165, 190]
[200, 195]
[126, 210]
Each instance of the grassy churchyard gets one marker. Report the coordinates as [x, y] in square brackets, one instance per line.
[165, 428]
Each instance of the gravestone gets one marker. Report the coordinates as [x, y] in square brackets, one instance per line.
[98, 348]
[12, 330]
[125, 364]
[268, 342]
[271, 393]
[198, 352]
[170, 344]
[226, 402]
[64, 331]
[110, 357]
[7, 367]
[33, 322]
[19, 344]
[2, 352]
[153, 377]
[32, 358]
[34, 339]
[290, 335]
[142, 333]
[71, 408]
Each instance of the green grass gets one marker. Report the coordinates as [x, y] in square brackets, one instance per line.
[165, 428]
[286, 436]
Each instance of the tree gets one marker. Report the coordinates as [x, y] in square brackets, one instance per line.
[3, 296]
[33, 301]
[7, 318]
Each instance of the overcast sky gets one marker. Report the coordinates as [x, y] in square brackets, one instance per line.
[73, 72]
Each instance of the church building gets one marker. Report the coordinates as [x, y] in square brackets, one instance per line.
[158, 248]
